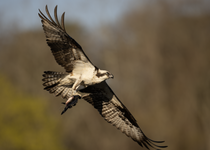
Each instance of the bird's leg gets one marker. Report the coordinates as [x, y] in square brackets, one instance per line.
[76, 85]
[71, 101]
[74, 93]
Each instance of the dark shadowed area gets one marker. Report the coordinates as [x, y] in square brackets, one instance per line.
[159, 54]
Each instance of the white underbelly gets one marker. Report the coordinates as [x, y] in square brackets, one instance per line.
[84, 72]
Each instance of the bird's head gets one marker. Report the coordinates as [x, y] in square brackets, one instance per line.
[102, 75]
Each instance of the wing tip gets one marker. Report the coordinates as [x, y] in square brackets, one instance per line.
[152, 144]
[50, 20]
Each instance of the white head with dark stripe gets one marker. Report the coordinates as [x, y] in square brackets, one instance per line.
[101, 75]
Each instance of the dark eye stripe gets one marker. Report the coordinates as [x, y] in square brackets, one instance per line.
[96, 68]
[100, 74]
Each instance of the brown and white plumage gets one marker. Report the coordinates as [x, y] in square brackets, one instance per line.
[64, 48]
[69, 54]
[114, 112]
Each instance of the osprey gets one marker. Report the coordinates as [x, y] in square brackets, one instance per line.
[83, 80]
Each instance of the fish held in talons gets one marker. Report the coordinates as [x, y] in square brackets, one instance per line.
[72, 101]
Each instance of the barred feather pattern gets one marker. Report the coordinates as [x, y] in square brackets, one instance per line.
[115, 113]
[52, 84]
[64, 48]
[67, 52]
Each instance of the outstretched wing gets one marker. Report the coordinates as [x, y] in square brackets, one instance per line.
[114, 112]
[64, 48]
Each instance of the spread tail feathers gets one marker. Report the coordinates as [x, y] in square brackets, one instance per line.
[52, 84]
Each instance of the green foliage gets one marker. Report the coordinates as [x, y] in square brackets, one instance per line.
[25, 123]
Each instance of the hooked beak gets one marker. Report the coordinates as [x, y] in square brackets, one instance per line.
[111, 76]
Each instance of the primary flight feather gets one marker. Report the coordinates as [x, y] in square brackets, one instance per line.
[83, 80]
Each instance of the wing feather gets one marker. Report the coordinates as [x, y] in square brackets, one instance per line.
[115, 113]
[64, 48]
[56, 16]
[62, 22]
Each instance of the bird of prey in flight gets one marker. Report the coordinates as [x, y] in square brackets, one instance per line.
[83, 80]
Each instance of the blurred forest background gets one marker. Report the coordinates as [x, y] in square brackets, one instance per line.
[160, 57]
